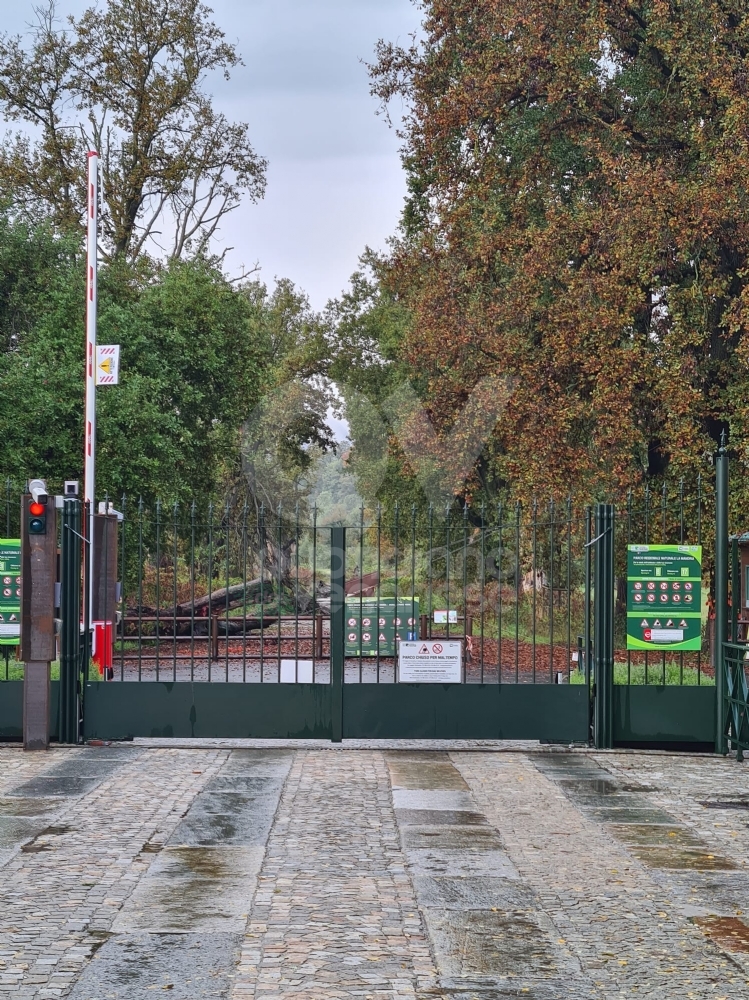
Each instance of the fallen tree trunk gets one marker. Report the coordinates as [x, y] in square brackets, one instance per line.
[217, 599]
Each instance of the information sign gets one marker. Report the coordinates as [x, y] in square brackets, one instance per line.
[10, 591]
[374, 626]
[444, 616]
[664, 597]
[430, 661]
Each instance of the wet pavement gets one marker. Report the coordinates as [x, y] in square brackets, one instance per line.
[401, 871]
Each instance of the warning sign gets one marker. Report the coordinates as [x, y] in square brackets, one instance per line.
[428, 662]
[107, 364]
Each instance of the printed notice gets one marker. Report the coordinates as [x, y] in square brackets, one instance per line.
[430, 661]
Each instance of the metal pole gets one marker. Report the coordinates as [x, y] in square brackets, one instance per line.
[721, 591]
[337, 626]
[89, 476]
[603, 626]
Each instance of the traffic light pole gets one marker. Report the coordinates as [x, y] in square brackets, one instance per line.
[38, 576]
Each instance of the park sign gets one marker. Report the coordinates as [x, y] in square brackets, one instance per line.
[10, 591]
[664, 597]
[374, 626]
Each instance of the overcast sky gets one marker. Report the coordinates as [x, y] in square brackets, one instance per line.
[335, 183]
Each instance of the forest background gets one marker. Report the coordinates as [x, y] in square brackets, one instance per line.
[575, 235]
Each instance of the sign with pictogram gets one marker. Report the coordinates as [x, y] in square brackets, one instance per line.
[107, 364]
[665, 582]
[10, 592]
[430, 662]
[375, 627]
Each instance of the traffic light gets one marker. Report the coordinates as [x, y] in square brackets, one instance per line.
[37, 518]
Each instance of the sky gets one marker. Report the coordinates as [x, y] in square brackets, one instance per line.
[335, 183]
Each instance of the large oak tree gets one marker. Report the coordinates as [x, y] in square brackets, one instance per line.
[578, 220]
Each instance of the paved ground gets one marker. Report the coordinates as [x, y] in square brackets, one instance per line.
[276, 871]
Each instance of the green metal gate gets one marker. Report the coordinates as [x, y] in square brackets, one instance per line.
[235, 625]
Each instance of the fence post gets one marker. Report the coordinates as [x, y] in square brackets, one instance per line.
[603, 626]
[337, 626]
[721, 591]
[70, 612]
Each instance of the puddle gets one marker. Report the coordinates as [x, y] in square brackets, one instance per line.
[682, 859]
[456, 838]
[63, 786]
[655, 836]
[195, 889]
[727, 932]
[439, 817]
[596, 786]
[471, 893]
[436, 862]
[27, 807]
[501, 943]
[727, 804]
[633, 815]
[426, 776]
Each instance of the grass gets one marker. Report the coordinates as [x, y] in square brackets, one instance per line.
[636, 675]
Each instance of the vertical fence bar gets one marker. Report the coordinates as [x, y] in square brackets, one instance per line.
[244, 594]
[569, 590]
[499, 593]
[158, 585]
[316, 621]
[466, 617]
[603, 624]
[379, 573]
[123, 606]
[629, 542]
[588, 583]
[174, 592]
[279, 585]
[140, 588]
[551, 591]
[721, 591]
[261, 547]
[192, 592]
[699, 542]
[534, 577]
[210, 590]
[337, 626]
[482, 588]
[227, 536]
[517, 590]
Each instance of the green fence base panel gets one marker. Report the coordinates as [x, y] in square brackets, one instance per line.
[202, 710]
[556, 713]
[11, 711]
[646, 715]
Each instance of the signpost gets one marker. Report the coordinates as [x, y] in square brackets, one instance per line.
[430, 661]
[664, 597]
[375, 626]
[10, 591]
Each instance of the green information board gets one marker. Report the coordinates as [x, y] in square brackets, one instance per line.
[664, 597]
[10, 591]
[373, 626]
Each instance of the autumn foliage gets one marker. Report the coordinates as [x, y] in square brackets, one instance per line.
[578, 221]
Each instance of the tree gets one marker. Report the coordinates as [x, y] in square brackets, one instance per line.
[192, 370]
[578, 220]
[127, 80]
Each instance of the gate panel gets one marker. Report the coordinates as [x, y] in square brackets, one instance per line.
[553, 713]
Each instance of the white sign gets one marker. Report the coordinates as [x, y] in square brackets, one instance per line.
[440, 617]
[296, 672]
[666, 634]
[107, 364]
[430, 661]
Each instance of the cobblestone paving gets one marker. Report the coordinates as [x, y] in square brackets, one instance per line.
[256, 871]
[335, 914]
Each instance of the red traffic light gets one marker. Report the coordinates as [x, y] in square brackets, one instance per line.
[36, 508]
